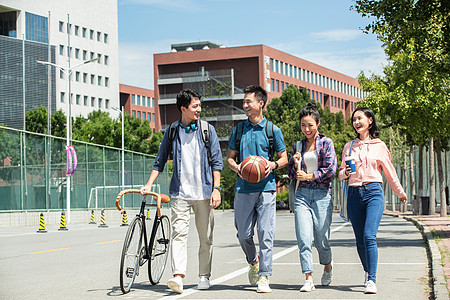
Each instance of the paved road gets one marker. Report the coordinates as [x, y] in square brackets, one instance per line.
[83, 263]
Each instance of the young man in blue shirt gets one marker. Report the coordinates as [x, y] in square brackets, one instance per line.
[195, 184]
[254, 203]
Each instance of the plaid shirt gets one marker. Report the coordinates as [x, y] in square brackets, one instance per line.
[327, 163]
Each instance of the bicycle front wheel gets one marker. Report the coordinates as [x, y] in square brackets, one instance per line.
[131, 252]
[159, 249]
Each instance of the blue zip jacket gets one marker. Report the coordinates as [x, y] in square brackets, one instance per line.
[206, 169]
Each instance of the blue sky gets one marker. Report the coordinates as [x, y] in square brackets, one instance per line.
[325, 32]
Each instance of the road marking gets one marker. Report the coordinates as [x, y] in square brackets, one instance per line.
[356, 263]
[113, 241]
[48, 251]
[241, 271]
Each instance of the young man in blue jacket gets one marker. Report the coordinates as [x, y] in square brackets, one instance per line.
[195, 184]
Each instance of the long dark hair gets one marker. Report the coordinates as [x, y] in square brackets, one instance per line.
[374, 131]
[309, 110]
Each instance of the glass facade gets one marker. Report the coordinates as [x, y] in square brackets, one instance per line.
[36, 28]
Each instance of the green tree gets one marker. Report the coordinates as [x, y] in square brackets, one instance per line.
[36, 121]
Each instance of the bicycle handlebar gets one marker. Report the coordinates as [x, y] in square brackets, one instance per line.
[156, 195]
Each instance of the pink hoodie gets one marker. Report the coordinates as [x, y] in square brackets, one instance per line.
[370, 156]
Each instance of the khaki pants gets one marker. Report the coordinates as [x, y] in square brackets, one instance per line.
[204, 222]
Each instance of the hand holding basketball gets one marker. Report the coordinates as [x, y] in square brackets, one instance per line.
[253, 168]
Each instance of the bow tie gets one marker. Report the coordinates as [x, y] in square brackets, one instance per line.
[192, 127]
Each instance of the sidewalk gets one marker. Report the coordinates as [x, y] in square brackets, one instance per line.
[436, 231]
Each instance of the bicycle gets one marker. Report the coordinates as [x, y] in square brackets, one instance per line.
[137, 250]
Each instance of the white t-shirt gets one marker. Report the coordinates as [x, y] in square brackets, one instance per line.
[311, 160]
[190, 169]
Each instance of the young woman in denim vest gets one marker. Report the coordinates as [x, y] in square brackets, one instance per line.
[313, 206]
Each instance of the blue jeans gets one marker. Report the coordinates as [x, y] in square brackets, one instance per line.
[313, 209]
[365, 208]
[259, 209]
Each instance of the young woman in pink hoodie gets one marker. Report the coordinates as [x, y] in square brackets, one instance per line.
[365, 202]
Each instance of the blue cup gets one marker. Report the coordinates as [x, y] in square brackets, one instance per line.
[350, 161]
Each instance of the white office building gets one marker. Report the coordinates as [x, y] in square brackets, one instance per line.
[65, 33]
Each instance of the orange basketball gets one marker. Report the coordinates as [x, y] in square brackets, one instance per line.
[253, 168]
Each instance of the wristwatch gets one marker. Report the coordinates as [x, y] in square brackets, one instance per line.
[217, 187]
[276, 165]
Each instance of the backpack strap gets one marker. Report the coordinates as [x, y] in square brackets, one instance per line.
[204, 127]
[270, 137]
[172, 134]
[237, 140]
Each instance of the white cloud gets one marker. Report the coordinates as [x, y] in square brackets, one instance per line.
[136, 62]
[350, 62]
[178, 5]
[341, 35]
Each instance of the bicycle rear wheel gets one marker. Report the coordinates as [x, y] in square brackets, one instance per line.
[159, 249]
[131, 252]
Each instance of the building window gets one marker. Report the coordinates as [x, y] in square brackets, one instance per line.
[77, 99]
[271, 64]
[105, 38]
[286, 69]
[77, 53]
[61, 49]
[106, 60]
[36, 28]
[85, 77]
[139, 114]
[69, 51]
[107, 81]
[77, 76]
[99, 56]
[282, 86]
[100, 102]
[133, 99]
[99, 80]
[276, 65]
[92, 78]
[85, 100]
[153, 102]
[144, 116]
[62, 97]
[287, 85]
[77, 30]
[92, 55]
[84, 31]
[133, 113]
[278, 86]
[153, 118]
[84, 55]
[61, 26]
[61, 74]
[106, 103]
[138, 100]
[272, 83]
[69, 28]
[92, 101]
[91, 34]
[99, 34]
[282, 67]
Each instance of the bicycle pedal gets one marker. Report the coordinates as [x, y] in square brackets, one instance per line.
[163, 241]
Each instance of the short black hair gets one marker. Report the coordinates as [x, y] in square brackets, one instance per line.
[374, 131]
[309, 110]
[260, 93]
[185, 96]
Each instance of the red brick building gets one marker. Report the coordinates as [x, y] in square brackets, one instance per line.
[220, 74]
[140, 103]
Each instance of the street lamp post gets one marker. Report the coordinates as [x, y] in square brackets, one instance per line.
[123, 147]
[68, 71]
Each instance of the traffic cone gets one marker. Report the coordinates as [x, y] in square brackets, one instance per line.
[148, 214]
[41, 224]
[62, 225]
[124, 219]
[102, 220]
[92, 218]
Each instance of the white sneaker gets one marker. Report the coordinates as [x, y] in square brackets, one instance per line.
[326, 276]
[263, 285]
[371, 287]
[176, 284]
[308, 286]
[253, 276]
[203, 284]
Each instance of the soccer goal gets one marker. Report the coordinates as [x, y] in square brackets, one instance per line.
[98, 195]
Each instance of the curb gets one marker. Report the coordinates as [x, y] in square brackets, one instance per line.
[439, 285]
